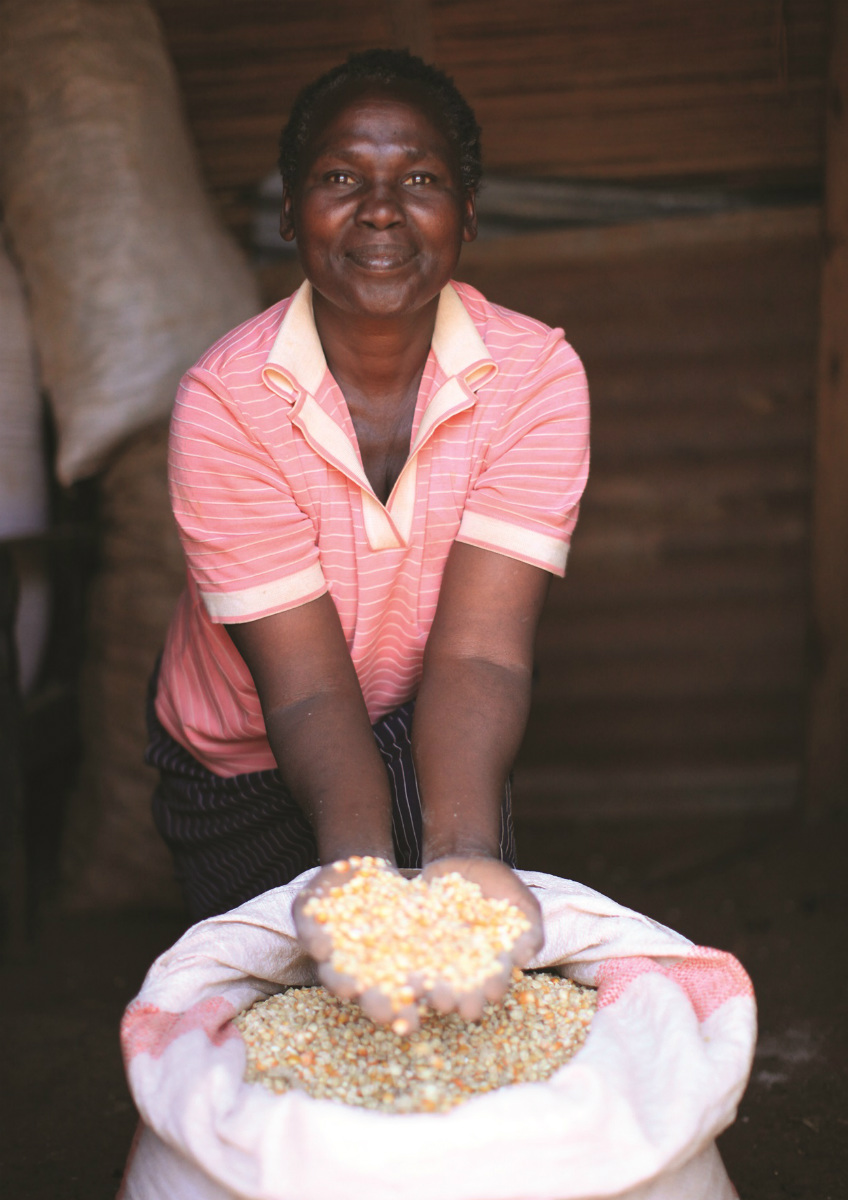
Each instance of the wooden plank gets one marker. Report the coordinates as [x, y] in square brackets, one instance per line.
[561, 793]
[781, 532]
[827, 735]
[412, 26]
[672, 428]
[725, 306]
[644, 238]
[502, 46]
[724, 669]
[699, 483]
[676, 628]
[770, 383]
[755, 574]
[660, 730]
[658, 132]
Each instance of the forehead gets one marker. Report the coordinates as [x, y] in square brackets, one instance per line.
[382, 113]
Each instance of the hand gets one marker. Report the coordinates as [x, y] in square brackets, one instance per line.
[316, 940]
[496, 881]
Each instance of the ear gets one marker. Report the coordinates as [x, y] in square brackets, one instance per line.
[287, 215]
[469, 219]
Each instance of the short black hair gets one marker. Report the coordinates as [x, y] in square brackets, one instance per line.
[385, 67]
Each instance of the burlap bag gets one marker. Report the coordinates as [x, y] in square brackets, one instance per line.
[129, 272]
[23, 474]
[114, 856]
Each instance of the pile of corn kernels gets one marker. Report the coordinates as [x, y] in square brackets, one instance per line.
[385, 928]
[308, 1039]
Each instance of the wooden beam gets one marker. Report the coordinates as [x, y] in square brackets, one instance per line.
[827, 734]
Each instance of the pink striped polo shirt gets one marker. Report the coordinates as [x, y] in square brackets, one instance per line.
[274, 507]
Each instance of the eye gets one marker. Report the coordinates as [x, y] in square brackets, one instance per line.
[339, 177]
[419, 178]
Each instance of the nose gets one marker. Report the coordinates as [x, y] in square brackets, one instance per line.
[380, 207]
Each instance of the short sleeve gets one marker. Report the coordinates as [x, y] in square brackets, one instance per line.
[525, 501]
[250, 549]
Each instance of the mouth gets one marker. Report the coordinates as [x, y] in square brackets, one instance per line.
[381, 257]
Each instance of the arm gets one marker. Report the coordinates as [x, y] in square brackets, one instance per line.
[474, 697]
[469, 721]
[318, 727]
[470, 717]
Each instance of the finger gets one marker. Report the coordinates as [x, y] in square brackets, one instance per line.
[495, 986]
[441, 997]
[406, 1020]
[470, 1005]
[341, 985]
[377, 1005]
[312, 935]
[335, 874]
[527, 945]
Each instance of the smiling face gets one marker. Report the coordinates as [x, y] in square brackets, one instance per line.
[378, 209]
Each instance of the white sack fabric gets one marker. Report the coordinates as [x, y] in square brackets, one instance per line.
[634, 1114]
[129, 272]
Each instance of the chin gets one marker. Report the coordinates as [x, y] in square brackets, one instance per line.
[393, 298]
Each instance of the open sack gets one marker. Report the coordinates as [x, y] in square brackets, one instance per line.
[635, 1114]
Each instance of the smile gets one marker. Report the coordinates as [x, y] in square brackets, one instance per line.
[381, 258]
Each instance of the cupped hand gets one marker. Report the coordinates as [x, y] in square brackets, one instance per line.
[317, 942]
[414, 987]
[496, 881]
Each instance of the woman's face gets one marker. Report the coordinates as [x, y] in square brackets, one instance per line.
[379, 211]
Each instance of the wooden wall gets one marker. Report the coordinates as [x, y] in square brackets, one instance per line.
[673, 662]
[731, 90]
[674, 654]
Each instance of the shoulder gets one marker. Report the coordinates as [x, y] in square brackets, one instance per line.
[224, 391]
[247, 346]
[493, 317]
[522, 346]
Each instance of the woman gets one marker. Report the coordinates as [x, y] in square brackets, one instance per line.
[374, 481]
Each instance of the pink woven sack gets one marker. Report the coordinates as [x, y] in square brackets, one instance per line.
[635, 1114]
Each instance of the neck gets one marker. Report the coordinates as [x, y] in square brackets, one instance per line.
[375, 355]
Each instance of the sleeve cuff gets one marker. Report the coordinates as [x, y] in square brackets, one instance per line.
[266, 598]
[529, 545]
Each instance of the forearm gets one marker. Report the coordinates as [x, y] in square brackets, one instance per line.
[474, 698]
[329, 761]
[318, 727]
[470, 718]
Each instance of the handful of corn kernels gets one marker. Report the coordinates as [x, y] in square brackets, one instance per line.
[409, 937]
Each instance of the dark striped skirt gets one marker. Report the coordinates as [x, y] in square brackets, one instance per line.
[234, 837]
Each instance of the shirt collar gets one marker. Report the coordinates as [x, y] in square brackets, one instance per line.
[296, 361]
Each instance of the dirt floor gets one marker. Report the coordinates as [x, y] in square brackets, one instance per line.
[771, 890]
